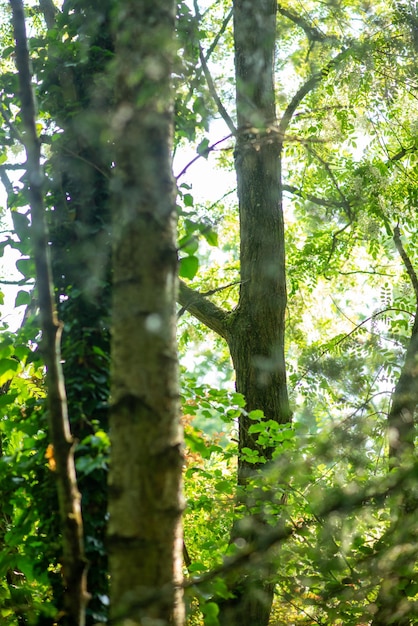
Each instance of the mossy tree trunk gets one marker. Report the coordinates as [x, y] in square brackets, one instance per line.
[145, 501]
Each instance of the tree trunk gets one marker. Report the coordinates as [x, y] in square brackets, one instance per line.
[145, 500]
[392, 603]
[256, 330]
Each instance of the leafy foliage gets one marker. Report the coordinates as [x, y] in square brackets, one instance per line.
[350, 177]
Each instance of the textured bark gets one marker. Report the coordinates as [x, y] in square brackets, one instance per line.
[74, 565]
[256, 332]
[145, 500]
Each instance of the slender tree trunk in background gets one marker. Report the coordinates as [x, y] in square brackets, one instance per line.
[73, 560]
[145, 499]
[256, 330]
[393, 606]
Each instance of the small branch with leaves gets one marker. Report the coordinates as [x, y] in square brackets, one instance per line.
[203, 154]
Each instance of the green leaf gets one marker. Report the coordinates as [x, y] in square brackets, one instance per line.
[21, 225]
[7, 398]
[238, 399]
[255, 415]
[8, 368]
[23, 298]
[202, 148]
[26, 267]
[210, 612]
[188, 244]
[211, 236]
[188, 267]
[224, 486]
[257, 428]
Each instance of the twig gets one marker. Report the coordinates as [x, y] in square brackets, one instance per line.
[205, 153]
[205, 294]
[8, 119]
[303, 91]
[345, 203]
[90, 163]
[211, 85]
[314, 199]
[18, 283]
[218, 35]
[340, 500]
[212, 291]
[313, 34]
[351, 332]
[6, 182]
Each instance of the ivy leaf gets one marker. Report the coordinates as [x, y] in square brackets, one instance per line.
[26, 267]
[210, 611]
[22, 298]
[21, 225]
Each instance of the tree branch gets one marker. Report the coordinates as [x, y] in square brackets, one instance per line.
[329, 346]
[14, 131]
[49, 11]
[345, 204]
[403, 152]
[402, 435]
[211, 85]
[303, 91]
[7, 183]
[204, 153]
[408, 266]
[254, 553]
[314, 199]
[211, 315]
[313, 34]
[218, 34]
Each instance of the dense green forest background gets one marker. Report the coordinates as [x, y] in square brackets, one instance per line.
[296, 312]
